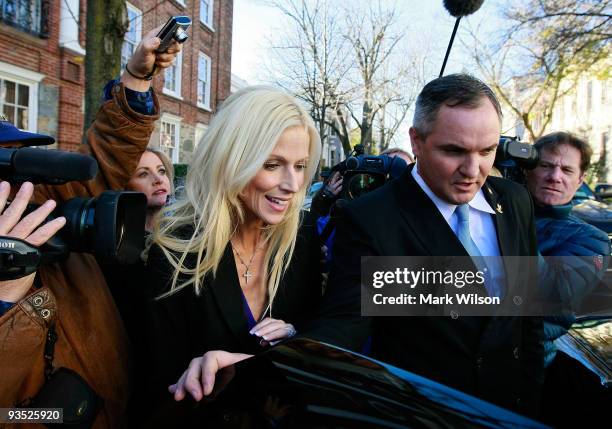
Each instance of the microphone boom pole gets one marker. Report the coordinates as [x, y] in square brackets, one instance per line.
[450, 45]
[458, 9]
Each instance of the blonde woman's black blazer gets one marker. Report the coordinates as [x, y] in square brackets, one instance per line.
[183, 326]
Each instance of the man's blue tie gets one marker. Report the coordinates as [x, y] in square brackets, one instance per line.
[463, 230]
[493, 281]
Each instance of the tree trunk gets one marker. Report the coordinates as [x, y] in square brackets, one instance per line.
[341, 129]
[106, 27]
[322, 135]
[383, 144]
[322, 116]
[366, 126]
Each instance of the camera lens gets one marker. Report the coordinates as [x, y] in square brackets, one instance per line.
[363, 183]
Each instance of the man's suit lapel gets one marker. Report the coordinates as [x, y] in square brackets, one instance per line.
[507, 238]
[227, 294]
[427, 224]
[504, 221]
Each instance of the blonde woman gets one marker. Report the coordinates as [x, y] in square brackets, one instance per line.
[234, 265]
[154, 178]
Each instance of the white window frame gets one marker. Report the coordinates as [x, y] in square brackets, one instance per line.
[206, 104]
[211, 10]
[177, 78]
[176, 121]
[27, 78]
[137, 23]
[200, 130]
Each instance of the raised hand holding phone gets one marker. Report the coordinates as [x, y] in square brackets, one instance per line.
[146, 62]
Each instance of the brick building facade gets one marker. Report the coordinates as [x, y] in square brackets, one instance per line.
[42, 67]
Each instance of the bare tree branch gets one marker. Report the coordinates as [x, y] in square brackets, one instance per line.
[557, 42]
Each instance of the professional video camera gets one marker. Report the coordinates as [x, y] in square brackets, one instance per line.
[364, 173]
[110, 226]
[361, 174]
[513, 157]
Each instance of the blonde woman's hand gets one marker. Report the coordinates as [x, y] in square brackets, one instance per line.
[271, 331]
[198, 380]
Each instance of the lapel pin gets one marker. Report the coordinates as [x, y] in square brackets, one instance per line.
[498, 209]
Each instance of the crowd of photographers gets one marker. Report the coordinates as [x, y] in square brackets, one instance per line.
[63, 339]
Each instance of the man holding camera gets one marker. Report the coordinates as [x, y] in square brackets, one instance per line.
[444, 205]
[578, 256]
[63, 317]
[563, 160]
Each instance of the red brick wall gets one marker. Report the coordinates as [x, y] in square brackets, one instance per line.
[45, 56]
[224, 64]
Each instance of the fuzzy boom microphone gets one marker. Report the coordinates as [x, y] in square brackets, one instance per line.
[458, 9]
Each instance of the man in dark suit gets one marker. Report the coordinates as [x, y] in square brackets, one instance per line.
[454, 136]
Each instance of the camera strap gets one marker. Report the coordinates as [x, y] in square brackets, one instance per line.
[50, 350]
[66, 389]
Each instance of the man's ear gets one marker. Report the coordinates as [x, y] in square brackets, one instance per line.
[415, 141]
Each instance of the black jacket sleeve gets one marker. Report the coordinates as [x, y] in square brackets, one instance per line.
[165, 353]
[339, 318]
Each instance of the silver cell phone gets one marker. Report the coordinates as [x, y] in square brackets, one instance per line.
[174, 29]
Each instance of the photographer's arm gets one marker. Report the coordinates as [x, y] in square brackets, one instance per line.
[120, 134]
[121, 131]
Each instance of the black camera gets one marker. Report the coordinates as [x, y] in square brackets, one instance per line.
[111, 226]
[360, 174]
[174, 29]
[363, 173]
[514, 156]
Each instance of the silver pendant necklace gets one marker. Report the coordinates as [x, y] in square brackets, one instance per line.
[247, 272]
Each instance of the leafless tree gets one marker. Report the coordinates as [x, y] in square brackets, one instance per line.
[311, 59]
[392, 103]
[539, 59]
[381, 76]
[346, 65]
[571, 25]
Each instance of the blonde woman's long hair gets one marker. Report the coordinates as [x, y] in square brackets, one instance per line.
[239, 140]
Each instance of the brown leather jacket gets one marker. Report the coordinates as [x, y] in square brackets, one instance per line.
[91, 337]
